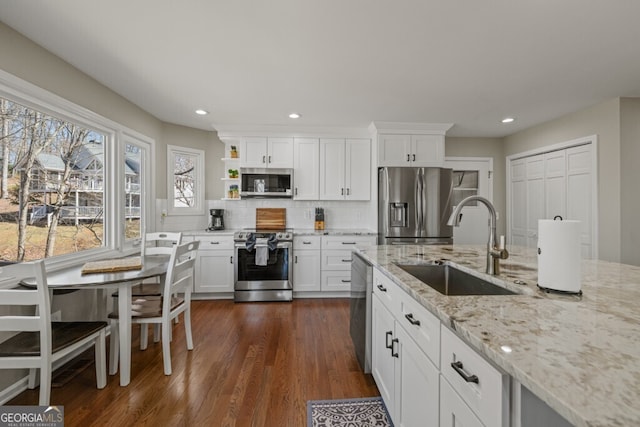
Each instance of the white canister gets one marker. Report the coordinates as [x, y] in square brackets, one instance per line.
[559, 255]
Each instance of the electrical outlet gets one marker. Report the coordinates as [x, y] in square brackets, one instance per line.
[56, 316]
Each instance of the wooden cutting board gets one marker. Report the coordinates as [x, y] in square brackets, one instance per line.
[271, 218]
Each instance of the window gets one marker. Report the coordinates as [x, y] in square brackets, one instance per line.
[185, 192]
[62, 192]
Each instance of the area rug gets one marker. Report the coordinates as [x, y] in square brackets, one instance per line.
[364, 412]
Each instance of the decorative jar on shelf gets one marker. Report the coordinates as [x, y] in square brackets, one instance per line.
[233, 152]
[233, 192]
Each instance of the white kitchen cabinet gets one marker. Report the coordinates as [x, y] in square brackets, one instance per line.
[262, 152]
[345, 169]
[410, 150]
[453, 411]
[336, 260]
[306, 169]
[214, 264]
[306, 263]
[482, 387]
[407, 379]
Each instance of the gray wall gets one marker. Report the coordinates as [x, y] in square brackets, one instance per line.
[485, 147]
[28, 61]
[603, 120]
[629, 180]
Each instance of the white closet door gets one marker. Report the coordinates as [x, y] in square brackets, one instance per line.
[555, 184]
[518, 203]
[579, 194]
[534, 166]
[559, 182]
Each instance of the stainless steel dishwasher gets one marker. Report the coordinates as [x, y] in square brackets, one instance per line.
[360, 310]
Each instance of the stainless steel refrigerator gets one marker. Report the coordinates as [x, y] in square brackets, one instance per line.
[414, 205]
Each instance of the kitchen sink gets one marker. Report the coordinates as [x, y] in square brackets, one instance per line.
[448, 280]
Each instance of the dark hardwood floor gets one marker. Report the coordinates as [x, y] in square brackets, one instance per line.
[254, 364]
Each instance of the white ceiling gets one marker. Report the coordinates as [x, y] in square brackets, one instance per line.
[347, 62]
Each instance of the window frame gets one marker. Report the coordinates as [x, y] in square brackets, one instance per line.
[116, 136]
[199, 207]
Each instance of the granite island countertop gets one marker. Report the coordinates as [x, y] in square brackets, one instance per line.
[579, 354]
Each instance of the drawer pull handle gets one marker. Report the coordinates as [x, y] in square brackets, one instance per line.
[346, 281]
[348, 243]
[382, 288]
[214, 243]
[386, 340]
[457, 366]
[394, 353]
[230, 260]
[306, 243]
[346, 260]
[411, 319]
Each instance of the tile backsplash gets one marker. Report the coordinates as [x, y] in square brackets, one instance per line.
[300, 214]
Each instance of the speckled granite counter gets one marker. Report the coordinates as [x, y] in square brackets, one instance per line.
[579, 354]
[333, 232]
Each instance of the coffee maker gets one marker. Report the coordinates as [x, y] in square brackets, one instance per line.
[217, 219]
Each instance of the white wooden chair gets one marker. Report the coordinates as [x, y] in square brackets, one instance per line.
[39, 342]
[162, 310]
[159, 243]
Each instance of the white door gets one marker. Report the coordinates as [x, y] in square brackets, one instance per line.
[427, 150]
[280, 153]
[579, 194]
[534, 167]
[394, 150]
[472, 177]
[332, 167]
[382, 363]
[306, 173]
[417, 388]
[358, 169]
[253, 152]
[214, 271]
[306, 271]
[560, 181]
[518, 205]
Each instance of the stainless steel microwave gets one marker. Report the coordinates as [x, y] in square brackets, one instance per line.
[266, 183]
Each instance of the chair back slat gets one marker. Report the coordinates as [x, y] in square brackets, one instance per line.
[181, 270]
[160, 243]
[19, 297]
[19, 323]
[40, 319]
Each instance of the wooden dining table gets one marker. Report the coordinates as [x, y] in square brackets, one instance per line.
[73, 278]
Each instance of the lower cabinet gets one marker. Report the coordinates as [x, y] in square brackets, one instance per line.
[406, 378]
[214, 264]
[336, 260]
[426, 374]
[453, 411]
[306, 263]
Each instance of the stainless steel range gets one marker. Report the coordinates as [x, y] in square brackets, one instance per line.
[263, 265]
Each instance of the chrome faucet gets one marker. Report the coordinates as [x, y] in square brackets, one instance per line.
[495, 252]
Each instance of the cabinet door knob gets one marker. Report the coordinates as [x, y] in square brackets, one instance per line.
[408, 158]
[459, 368]
[411, 319]
[394, 353]
[269, 159]
[264, 159]
[386, 339]
[295, 259]
[230, 260]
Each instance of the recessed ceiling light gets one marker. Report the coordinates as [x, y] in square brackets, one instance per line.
[294, 116]
[508, 120]
[201, 112]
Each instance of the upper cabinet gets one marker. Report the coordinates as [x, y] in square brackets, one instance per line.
[410, 150]
[306, 169]
[262, 152]
[410, 144]
[345, 169]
